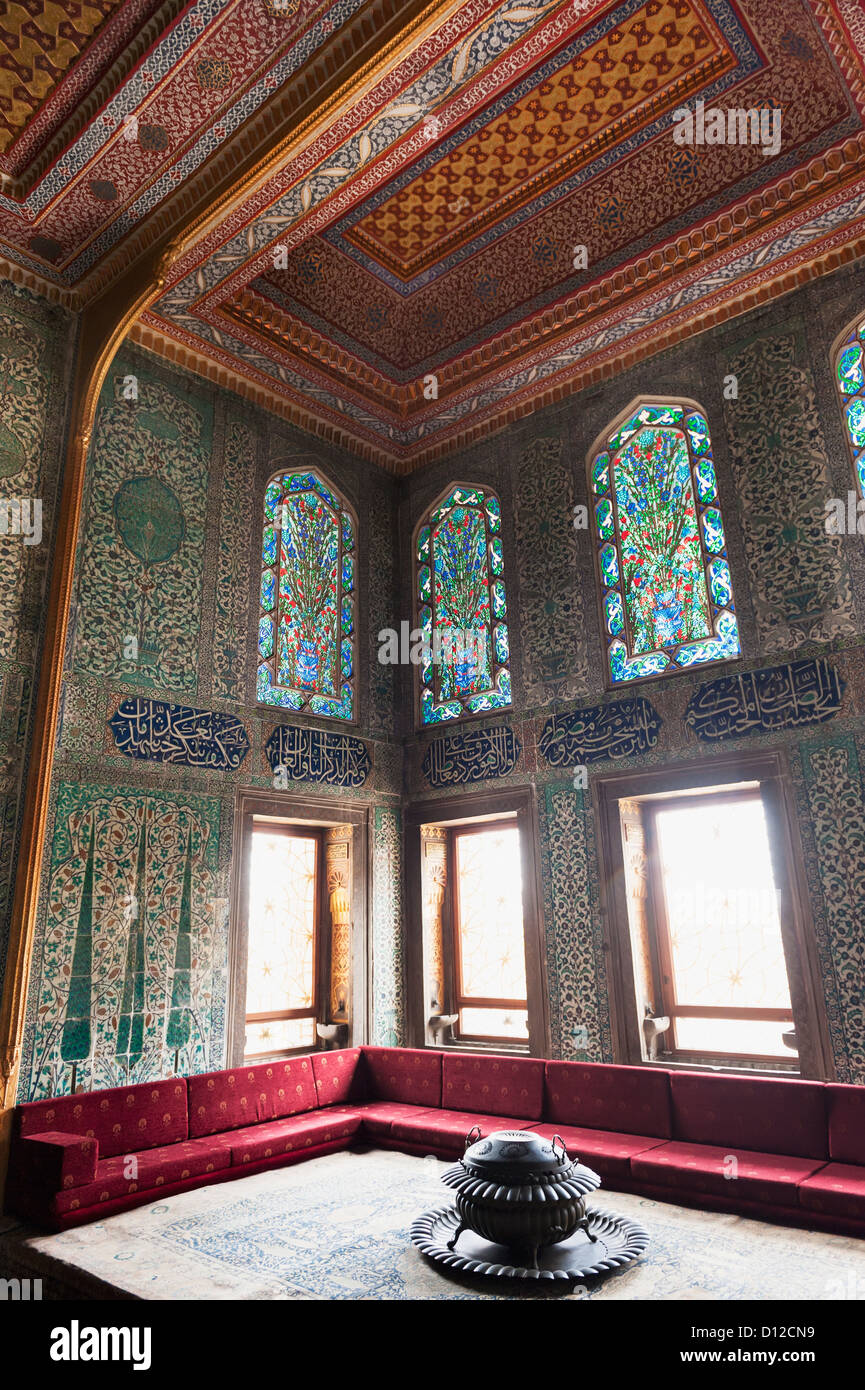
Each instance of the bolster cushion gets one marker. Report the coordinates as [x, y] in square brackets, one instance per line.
[222, 1100]
[780, 1117]
[339, 1076]
[593, 1095]
[56, 1160]
[123, 1119]
[493, 1085]
[409, 1075]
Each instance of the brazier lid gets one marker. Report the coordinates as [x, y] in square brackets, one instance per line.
[519, 1151]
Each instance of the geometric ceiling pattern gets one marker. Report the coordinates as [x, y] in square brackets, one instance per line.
[488, 212]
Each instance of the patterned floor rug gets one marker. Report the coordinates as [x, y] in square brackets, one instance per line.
[338, 1228]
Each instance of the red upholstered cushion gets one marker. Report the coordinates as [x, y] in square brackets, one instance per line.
[633, 1100]
[155, 1168]
[836, 1190]
[57, 1160]
[756, 1177]
[781, 1117]
[338, 1076]
[123, 1119]
[410, 1075]
[293, 1133]
[221, 1100]
[377, 1116]
[494, 1085]
[608, 1153]
[447, 1129]
[846, 1107]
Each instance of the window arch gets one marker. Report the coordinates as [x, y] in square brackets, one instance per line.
[850, 383]
[462, 606]
[306, 628]
[666, 589]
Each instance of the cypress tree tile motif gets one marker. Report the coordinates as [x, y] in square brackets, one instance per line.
[128, 961]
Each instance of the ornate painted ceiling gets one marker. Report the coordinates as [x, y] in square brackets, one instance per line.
[399, 266]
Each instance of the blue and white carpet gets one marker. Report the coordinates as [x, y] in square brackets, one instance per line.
[338, 1228]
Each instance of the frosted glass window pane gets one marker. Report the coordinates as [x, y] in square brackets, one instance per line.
[494, 1023]
[280, 964]
[279, 1035]
[733, 1036]
[492, 950]
[722, 906]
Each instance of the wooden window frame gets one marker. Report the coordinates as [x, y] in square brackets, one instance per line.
[659, 927]
[295, 832]
[461, 1000]
[305, 815]
[512, 805]
[770, 770]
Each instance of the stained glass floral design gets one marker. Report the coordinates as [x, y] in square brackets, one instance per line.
[850, 381]
[462, 607]
[307, 619]
[667, 593]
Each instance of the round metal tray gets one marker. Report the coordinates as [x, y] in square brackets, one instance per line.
[618, 1242]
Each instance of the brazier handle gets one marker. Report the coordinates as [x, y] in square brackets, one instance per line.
[563, 1156]
[473, 1136]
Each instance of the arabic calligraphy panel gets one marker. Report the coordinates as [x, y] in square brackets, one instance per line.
[312, 755]
[776, 697]
[472, 756]
[165, 733]
[620, 729]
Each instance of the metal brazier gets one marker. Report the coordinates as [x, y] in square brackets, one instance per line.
[517, 1189]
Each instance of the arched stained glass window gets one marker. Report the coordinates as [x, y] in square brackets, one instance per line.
[462, 607]
[307, 620]
[850, 380]
[666, 590]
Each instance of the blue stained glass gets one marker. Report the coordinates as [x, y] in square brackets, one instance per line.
[713, 530]
[849, 369]
[646, 415]
[625, 668]
[306, 615]
[860, 472]
[601, 473]
[720, 583]
[461, 593]
[609, 565]
[704, 471]
[698, 433]
[604, 518]
[719, 648]
[613, 612]
[856, 421]
[272, 494]
[660, 591]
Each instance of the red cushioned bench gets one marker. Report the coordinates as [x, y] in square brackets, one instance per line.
[790, 1151]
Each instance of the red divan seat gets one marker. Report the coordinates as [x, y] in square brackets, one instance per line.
[793, 1150]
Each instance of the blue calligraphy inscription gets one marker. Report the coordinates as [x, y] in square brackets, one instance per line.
[164, 733]
[621, 729]
[309, 755]
[472, 756]
[777, 697]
